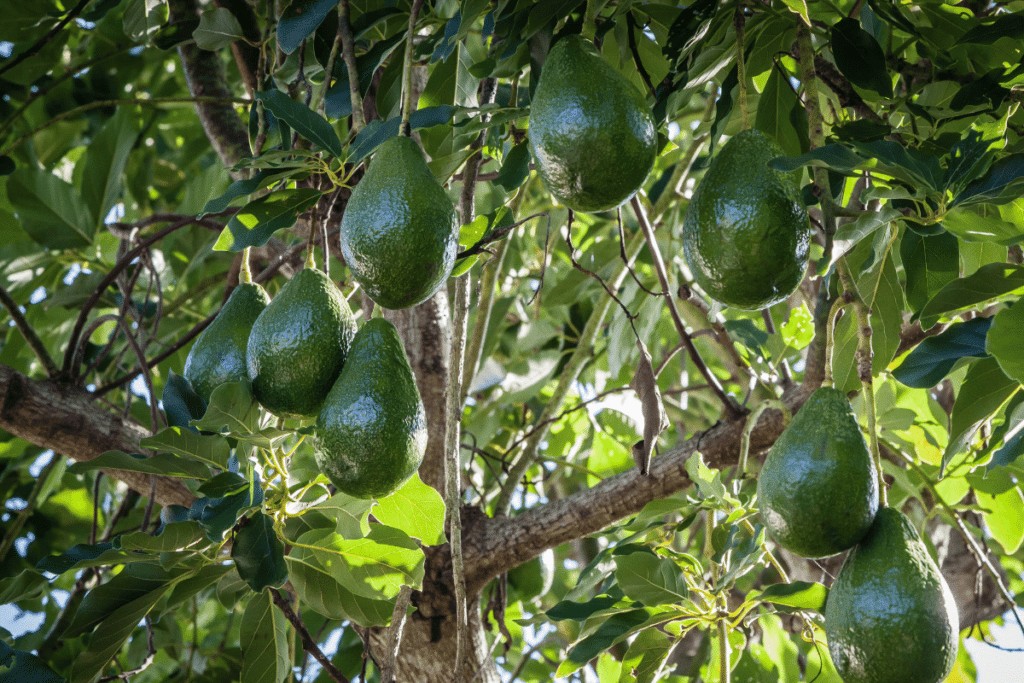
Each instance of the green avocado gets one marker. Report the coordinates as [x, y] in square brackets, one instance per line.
[298, 345]
[890, 617]
[746, 235]
[818, 488]
[592, 133]
[372, 431]
[218, 354]
[400, 232]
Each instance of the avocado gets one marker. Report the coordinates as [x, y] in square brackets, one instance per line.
[372, 431]
[746, 235]
[592, 133]
[298, 345]
[890, 617]
[818, 488]
[532, 579]
[218, 354]
[400, 232]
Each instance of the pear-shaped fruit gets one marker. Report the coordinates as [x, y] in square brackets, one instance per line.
[818, 488]
[218, 354]
[298, 345]
[890, 617]
[746, 234]
[400, 232]
[591, 131]
[372, 431]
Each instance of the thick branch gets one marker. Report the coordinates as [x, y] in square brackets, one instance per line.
[69, 421]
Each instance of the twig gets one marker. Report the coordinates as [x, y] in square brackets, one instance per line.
[31, 338]
[630, 316]
[41, 43]
[496, 235]
[639, 63]
[731, 408]
[622, 255]
[308, 644]
[398, 616]
[741, 70]
[348, 53]
[407, 93]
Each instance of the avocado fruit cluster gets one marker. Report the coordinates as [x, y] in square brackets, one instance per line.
[304, 357]
[818, 487]
[592, 133]
[400, 231]
[889, 616]
[746, 234]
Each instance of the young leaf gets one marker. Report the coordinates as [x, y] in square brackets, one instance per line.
[259, 554]
[254, 223]
[264, 637]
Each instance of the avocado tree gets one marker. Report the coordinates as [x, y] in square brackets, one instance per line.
[604, 348]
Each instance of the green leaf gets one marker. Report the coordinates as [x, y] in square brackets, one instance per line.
[218, 28]
[646, 654]
[374, 567]
[223, 484]
[104, 163]
[232, 411]
[1004, 341]
[797, 594]
[50, 210]
[162, 463]
[321, 592]
[18, 666]
[581, 611]
[859, 57]
[302, 120]
[180, 401]
[265, 638]
[514, 168]
[652, 580]
[378, 132]
[930, 263]
[708, 481]
[209, 449]
[1003, 513]
[606, 635]
[1005, 177]
[781, 115]
[835, 157]
[254, 223]
[299, 20]
[850, 234]
[996, 27]
[416, 509]
[988, 283]
[984, 391]
[989, 222]
[85, 555]
[25, 584]
[173, 536]
[241, 188]
[136, 582]
[350, 514]
[259, 554]
[934, 357]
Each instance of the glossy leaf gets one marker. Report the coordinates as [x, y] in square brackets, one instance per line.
[859, 57]
[990, 282]
[416, 509]
[257, 221]
[259, 554]
[299, 20]
[934, 357]
[797, 594]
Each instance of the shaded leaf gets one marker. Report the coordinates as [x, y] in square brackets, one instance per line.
[859, 57]
[50, 210]
[302, 120]
[930, 263]
[934, 357]
[299, 20]
[218, 28]
[259, 554]
[1004, 340]
[162, 463]
[104, 163]
[984, 391]
[781, 115]
[264, 637]
[254, 223]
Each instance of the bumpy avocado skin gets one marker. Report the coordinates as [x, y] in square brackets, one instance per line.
[592, 133]
[372, 431]
[298, 345]
[400, 232]
[890, 617]
[746, 235]
[218, 354]
[818, 488]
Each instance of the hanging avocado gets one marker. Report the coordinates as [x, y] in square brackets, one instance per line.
[592, 133]
[890, 617]
[746, 235]
[400, 232]
[818, 488]
[218, 354]
[298, 345]
[372, 431]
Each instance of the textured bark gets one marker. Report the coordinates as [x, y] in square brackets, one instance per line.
[426, 332]
[71, 422]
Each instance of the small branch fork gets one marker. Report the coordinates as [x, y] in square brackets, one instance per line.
[309, 644]
[731, 408]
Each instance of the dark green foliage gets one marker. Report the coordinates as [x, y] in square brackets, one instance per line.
[818, 488]
[399, 233]
[746, 234]
[890, 617]
[372, 431]
[218, 354]
[298, 345]
[591, 132]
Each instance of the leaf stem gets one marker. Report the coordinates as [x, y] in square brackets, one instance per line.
[407, 90]
[830, 331]
[348, 53]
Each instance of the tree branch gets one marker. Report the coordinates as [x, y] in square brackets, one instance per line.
[31, 338]
[69, 421]
[308, 643]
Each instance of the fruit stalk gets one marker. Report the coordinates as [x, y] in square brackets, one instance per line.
[741, 67]
[830, 328]
[731, 408]
[245, 271]
[348, 54]
[407, 94]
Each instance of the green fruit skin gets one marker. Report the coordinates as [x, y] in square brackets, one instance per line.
[400, 232]
[532, 579]
[890, 617]
[746, 235]
[818, 488]
[218, 354]
[372, 431]
[591, 131]
[298, 345]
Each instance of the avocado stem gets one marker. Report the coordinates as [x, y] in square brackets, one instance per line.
[245, 271]
[407, 94]
[748, 430]
[830, 329]
[741, 66]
